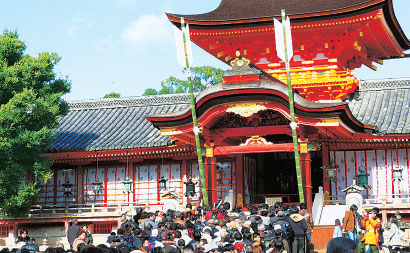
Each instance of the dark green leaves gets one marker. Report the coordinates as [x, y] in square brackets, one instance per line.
[30, 106]
[202, 78]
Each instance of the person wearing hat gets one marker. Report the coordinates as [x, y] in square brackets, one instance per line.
[372, 225]
[72, 232]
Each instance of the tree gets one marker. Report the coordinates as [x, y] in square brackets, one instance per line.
[30, 108]
[112, 95]
[202, 78]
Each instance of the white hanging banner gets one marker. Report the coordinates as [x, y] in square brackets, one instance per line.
[179, 39]
[280, 45]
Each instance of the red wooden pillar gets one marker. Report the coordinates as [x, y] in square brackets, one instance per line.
[15, 229]
[325, 162]
[239, 174]
[305, 163]
[214, 183]
[210, 170]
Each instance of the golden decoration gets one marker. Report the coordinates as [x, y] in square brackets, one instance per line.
[169, 131]
[255, 140]
[246, 109]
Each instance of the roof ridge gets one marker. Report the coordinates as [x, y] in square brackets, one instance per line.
[384, 84]
[181, 98]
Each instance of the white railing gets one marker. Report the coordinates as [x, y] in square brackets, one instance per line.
[379, 199]
[103, 209]
[318, 204]
[385, 199]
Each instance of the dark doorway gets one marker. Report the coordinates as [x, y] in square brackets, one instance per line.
[276, 176]
[317, 172]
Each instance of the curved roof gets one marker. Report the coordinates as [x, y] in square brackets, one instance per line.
[245, 9]
[236, 12]
[261, 84]
[260, 90]
[120, 123]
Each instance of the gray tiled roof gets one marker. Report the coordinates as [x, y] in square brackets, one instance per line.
[118, 123]
[384, 104]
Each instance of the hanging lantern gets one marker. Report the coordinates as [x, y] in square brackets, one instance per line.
[68, 189]
[219, 173]
[162, 184]
[397, 173]
[362, 178]
[98, 187]
[330, 171]
[190, 189]
[127, 186]
[220, 167]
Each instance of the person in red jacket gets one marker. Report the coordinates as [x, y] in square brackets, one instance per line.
[215, 214]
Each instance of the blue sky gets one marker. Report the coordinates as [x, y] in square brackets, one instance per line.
[127, 46]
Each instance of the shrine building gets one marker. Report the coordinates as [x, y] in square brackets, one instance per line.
[110, 155]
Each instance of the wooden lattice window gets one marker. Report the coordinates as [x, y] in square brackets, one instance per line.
[4, 230]
[104, 227]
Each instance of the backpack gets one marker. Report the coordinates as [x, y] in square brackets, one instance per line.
[286, 228]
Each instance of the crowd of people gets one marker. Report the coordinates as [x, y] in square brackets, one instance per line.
[249, 229]
[364, 232]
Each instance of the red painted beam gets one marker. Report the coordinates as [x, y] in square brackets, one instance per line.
[251, 131]
[227, 150]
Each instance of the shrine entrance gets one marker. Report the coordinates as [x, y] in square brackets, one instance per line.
[272, 177]
[280, 176]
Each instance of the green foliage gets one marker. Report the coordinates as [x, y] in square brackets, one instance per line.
[202, 78]
[30, 108]
[150, 91]
[112, 95]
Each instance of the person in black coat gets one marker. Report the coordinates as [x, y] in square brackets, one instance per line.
[299, 227]
[88, 236]
[72, 232]
[23, 237]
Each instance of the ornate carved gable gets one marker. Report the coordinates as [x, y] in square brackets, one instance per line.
[261, 118]
[272, 118]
